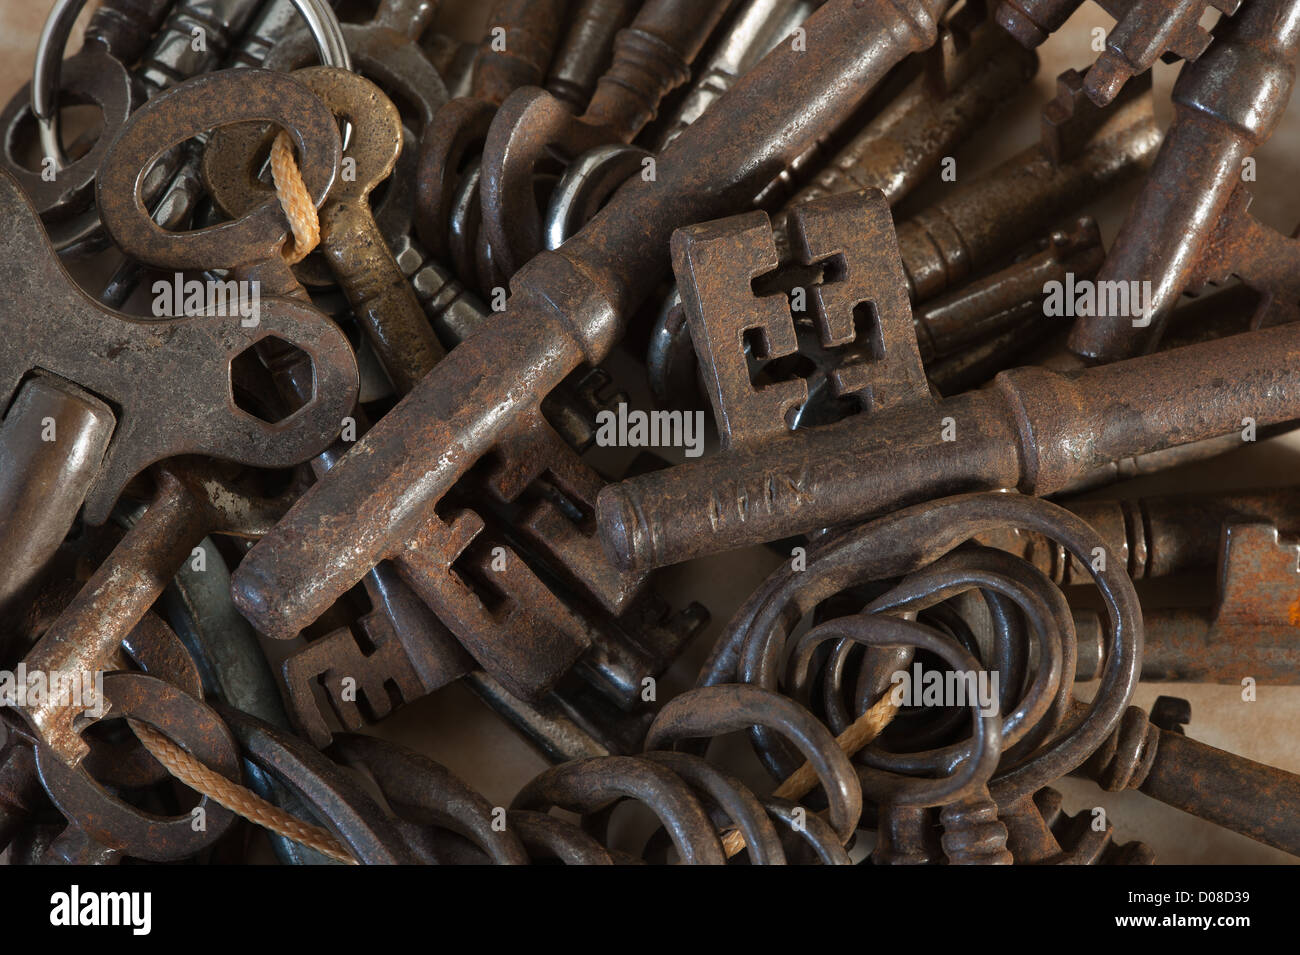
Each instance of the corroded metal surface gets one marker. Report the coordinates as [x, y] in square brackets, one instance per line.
[411, 464]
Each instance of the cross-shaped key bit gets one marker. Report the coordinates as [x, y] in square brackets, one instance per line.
[1034, 429]
[168, 380]
[863, 294]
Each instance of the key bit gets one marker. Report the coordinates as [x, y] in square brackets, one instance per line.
[1144, 31]
[1263, 259]
[1246, 540]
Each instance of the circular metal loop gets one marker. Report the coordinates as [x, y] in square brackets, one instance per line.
[202, 103]
[585, 186]
[119, 825]
[319, 16]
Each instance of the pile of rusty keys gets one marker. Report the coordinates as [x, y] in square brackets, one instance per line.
[345, 387]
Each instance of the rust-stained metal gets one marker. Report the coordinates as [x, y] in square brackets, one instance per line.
[1145, 30]
[192, 500]
[182, 364]
[1084, 151]
[1245, 796]
[561, 316]
[115, 36]
[1246, 540]
[1034, 429]
[1227, 104]
[382, 300]
[1040, 832]
[334, 799]
[1036, 734]
[383, 50]
[971, 73]
[515, 52]
[445, 455]
[43, 482]
[651, 58]
[584, 55]
[426, 793]
[758, 25]
[111, 821]
[264, 37]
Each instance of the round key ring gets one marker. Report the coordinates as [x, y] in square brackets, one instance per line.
[317, 14]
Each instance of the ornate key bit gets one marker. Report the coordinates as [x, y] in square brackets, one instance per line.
[507, 618]
[862, 300]
[1252, 627]
[1145, 30]
[864, 295]
[375, 673]
[1081, 842]
[552, 496]
[716, 263]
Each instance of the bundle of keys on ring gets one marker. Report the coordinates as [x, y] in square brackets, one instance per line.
[345, 361]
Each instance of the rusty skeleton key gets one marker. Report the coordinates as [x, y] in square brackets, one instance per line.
[569, 306]
[1227, 105]
[385, 51]
[191, 502]
[176, 205]
[967, 77]
[1083, 150]
[1239, 794]
[1246, 539]
[536, 452]
[1144, 31]
[140, 366]
[1033, 429]
[102, 826]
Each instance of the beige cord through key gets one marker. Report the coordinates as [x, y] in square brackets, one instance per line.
[804, 779]
[295, 200]
[235, 797]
